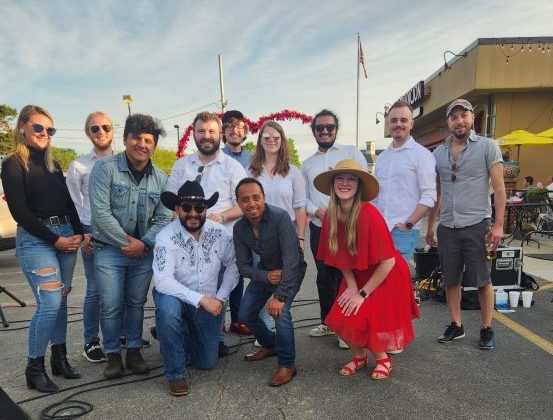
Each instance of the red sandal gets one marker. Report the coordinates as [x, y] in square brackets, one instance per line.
[385, 371]
[359, 362]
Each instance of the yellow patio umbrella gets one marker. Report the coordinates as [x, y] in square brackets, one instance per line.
[546, 133]
[523, 138]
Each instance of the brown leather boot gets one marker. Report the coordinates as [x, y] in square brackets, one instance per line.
[135, 362]
[178, 387]
[114, 366]
[283, 375]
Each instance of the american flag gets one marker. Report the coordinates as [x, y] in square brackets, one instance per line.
[362, 60]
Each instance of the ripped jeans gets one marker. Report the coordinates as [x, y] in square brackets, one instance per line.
[48, 272]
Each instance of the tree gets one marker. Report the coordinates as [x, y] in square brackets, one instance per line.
[164, 159]
[7, 114]
[292, 151]
[64, 156]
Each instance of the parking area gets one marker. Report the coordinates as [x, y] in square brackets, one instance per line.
[429, 380]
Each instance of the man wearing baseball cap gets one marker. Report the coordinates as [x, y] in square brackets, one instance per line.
[188, 256]
[465, 164]
[235, 131]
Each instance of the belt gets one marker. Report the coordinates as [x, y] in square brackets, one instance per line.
[55, 220]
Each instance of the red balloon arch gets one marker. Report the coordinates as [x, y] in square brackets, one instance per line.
[254, 126]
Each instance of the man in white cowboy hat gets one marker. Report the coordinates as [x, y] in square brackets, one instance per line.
[406, 172]
[465, 163]
[188, 257]
[324, 127]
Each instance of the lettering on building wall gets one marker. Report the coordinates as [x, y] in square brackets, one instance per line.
[415, 95]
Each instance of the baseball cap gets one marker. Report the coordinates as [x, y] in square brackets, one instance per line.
[463, 103]
[227, 116]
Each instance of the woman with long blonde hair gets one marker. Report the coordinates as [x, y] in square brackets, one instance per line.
[375, 304]
[48, 235]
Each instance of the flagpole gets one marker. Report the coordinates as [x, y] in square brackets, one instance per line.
[357, 112]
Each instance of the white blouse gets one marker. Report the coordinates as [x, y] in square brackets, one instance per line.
[287, 192]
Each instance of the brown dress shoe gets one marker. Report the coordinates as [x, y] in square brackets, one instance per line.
[178, 387]
[114, 366]
[260, 354]
[135, 362]
[283, 375]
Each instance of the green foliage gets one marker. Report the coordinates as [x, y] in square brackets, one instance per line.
[164, 159]
[7, 114]
[537, 195]
[294, 157]
[64, 156]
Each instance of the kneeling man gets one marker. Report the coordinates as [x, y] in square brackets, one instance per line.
[268, 232]
[188, 257]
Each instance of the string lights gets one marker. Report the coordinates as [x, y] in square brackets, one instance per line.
[509, 50]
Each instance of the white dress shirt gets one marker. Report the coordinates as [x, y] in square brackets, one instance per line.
[189, 269]
[320, 162]
[407, 177]
[77, 184]
[286, 192]
[220, 175]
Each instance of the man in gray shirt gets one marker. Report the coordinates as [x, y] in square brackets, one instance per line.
[270, 233]
[465, 164]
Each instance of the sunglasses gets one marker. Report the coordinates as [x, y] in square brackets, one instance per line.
[453, 175]
[268, 137]
[39, 128]
[95, 128]
[346, 179]
[198, 206]
[200, 174]
[321, 127]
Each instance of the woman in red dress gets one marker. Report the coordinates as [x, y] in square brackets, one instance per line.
[375, 304]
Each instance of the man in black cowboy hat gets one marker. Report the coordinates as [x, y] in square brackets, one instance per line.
[188, 256]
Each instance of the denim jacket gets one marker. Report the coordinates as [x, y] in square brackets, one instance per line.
[118, 203]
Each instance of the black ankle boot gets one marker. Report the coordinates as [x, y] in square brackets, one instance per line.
[36, 376]
[59, 363]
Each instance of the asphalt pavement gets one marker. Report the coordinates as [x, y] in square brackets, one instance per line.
[429, 379]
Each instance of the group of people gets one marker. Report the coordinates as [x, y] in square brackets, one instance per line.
[225, 214]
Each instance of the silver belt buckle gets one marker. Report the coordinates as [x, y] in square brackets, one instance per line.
[55, 220]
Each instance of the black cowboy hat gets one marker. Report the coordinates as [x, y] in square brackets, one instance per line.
[190, 190]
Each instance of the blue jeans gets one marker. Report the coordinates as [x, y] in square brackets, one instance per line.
[122, 283]
[91, 304]
[405, 242]
[49, 322]
[185, 333]
[256, 296]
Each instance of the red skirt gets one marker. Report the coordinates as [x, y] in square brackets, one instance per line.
[384, 320]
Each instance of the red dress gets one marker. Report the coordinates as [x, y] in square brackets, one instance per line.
[384, 320]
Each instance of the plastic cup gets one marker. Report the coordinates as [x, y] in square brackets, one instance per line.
[514, 296]
[527, 298]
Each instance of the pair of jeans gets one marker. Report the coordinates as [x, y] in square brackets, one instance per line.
[185, 333]
[256, 296]
[91, 304]
[122, 283]
[328, 278]
[41, 263]
[405, 242]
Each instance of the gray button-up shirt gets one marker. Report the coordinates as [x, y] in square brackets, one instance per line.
[466, 201]
[277, 246]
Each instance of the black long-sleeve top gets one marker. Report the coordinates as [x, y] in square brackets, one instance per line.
[37, 193]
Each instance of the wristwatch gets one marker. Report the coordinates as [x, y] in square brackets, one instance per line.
[281, 298]
[409, 225]
[363, 294]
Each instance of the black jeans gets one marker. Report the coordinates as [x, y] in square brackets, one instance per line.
[328, 278]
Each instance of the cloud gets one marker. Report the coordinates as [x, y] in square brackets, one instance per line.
[76, 57]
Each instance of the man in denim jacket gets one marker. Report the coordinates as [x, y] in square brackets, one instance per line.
[126, 216]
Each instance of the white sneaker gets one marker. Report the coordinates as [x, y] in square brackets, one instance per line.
[395, 351]
[256, 343]
[321, 331]
[342, 344]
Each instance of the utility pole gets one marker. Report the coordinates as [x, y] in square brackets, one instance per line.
[221, 84]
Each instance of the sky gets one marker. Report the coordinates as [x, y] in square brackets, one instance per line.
[75, 57]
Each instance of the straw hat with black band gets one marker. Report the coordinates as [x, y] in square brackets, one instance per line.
[368, 185]
[190, 190]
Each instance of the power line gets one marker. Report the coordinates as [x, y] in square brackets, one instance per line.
[190, 112]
